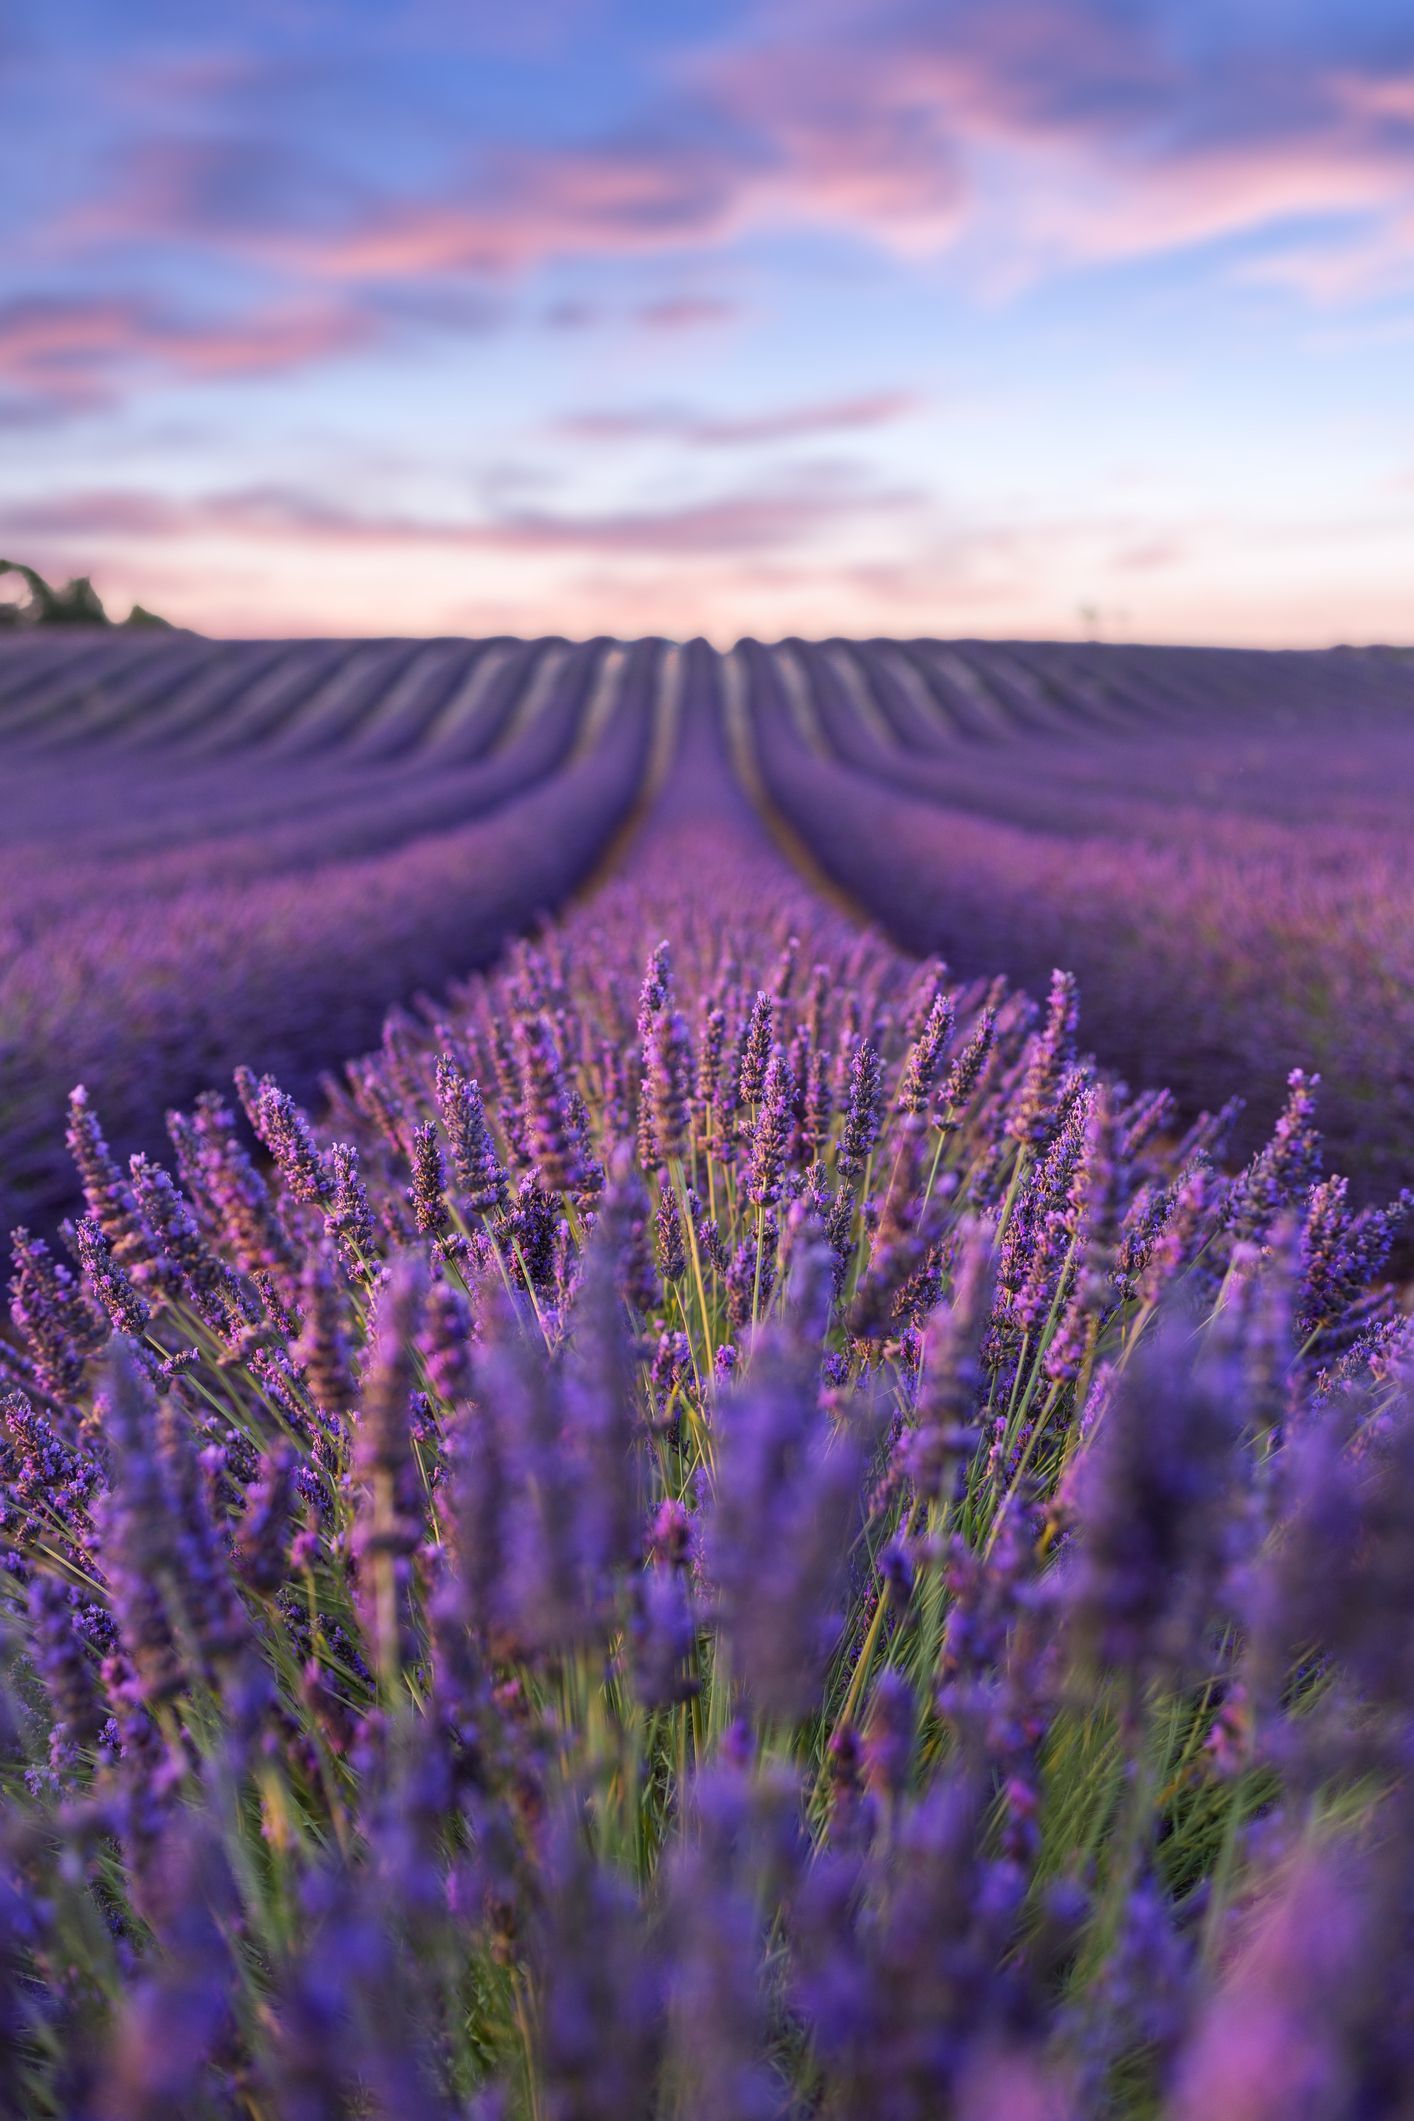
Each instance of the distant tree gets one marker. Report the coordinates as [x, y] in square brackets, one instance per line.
[76, 604]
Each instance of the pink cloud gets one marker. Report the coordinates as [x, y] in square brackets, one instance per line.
[1329, 272]
[1221, 190]
[749, 521]
[700, 431]
[1057, 133]
[1148, 555]
[522, 209]
[75, 354]
[1054, 131]
[688, 312]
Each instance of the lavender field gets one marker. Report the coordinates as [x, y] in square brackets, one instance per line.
[694, 1424]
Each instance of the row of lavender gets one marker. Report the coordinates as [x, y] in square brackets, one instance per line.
[756, 1540]
[1233, 880]
[374, 700]
[195, 828]
[165, 912]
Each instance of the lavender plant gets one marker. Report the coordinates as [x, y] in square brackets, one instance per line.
[1219, 847]
[732, 1529]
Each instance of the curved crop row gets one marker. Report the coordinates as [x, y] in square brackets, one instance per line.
[177, 695]
[147, 973]
[941, 693]
[1220, 943]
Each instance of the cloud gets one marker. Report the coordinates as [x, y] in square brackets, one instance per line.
[237, 189]
[61, 356]
[1071, 131]
[1149, 555]
[1336, 270]
[757, 519]
[1052, 133]
[702, 431]
[687, 312]
[668, 313]
[520, 210]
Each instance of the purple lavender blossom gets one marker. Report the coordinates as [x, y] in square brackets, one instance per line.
[59, 1327]
[429, 1179]
[478, 1169]
[553, 1140]
[864, 1112]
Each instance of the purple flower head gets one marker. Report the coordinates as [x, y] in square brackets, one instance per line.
[1189, 1216]
[663, 1635]
[816, 1104]
[324, 1347]
[188, 1262]
[478, 1169]
[668, 1073]
[966, 1071]
[445, 1341]
[1281, 1175]
[810, 1280]
[600, 1411]
[711, 1038]
[137, 1532]
[47, 1482]
[656, 991]
[952, 1380]
[285, 1131]
[1342, 1254]
[864, 1112]
[900, 1282]
[553, 1140]
[230, 1196]
[755, 1052]
[710, 1248]
[349, 1219]
[110, 1199]
[429, 1179]
[751, 1276]
[165, 2058]
[770, 1139]
[888, 1737]
[473, 1506]
[925, 1057]
[127, 1310]
[55, 1320]
[783, 973]
[531, 1232]
[1050, 1055]
[671, 1249]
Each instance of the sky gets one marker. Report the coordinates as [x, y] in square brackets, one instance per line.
[1030, 318]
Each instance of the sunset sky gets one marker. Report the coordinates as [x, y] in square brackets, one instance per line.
[1001, 317]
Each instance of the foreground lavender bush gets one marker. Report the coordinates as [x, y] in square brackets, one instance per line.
[740, 1534]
